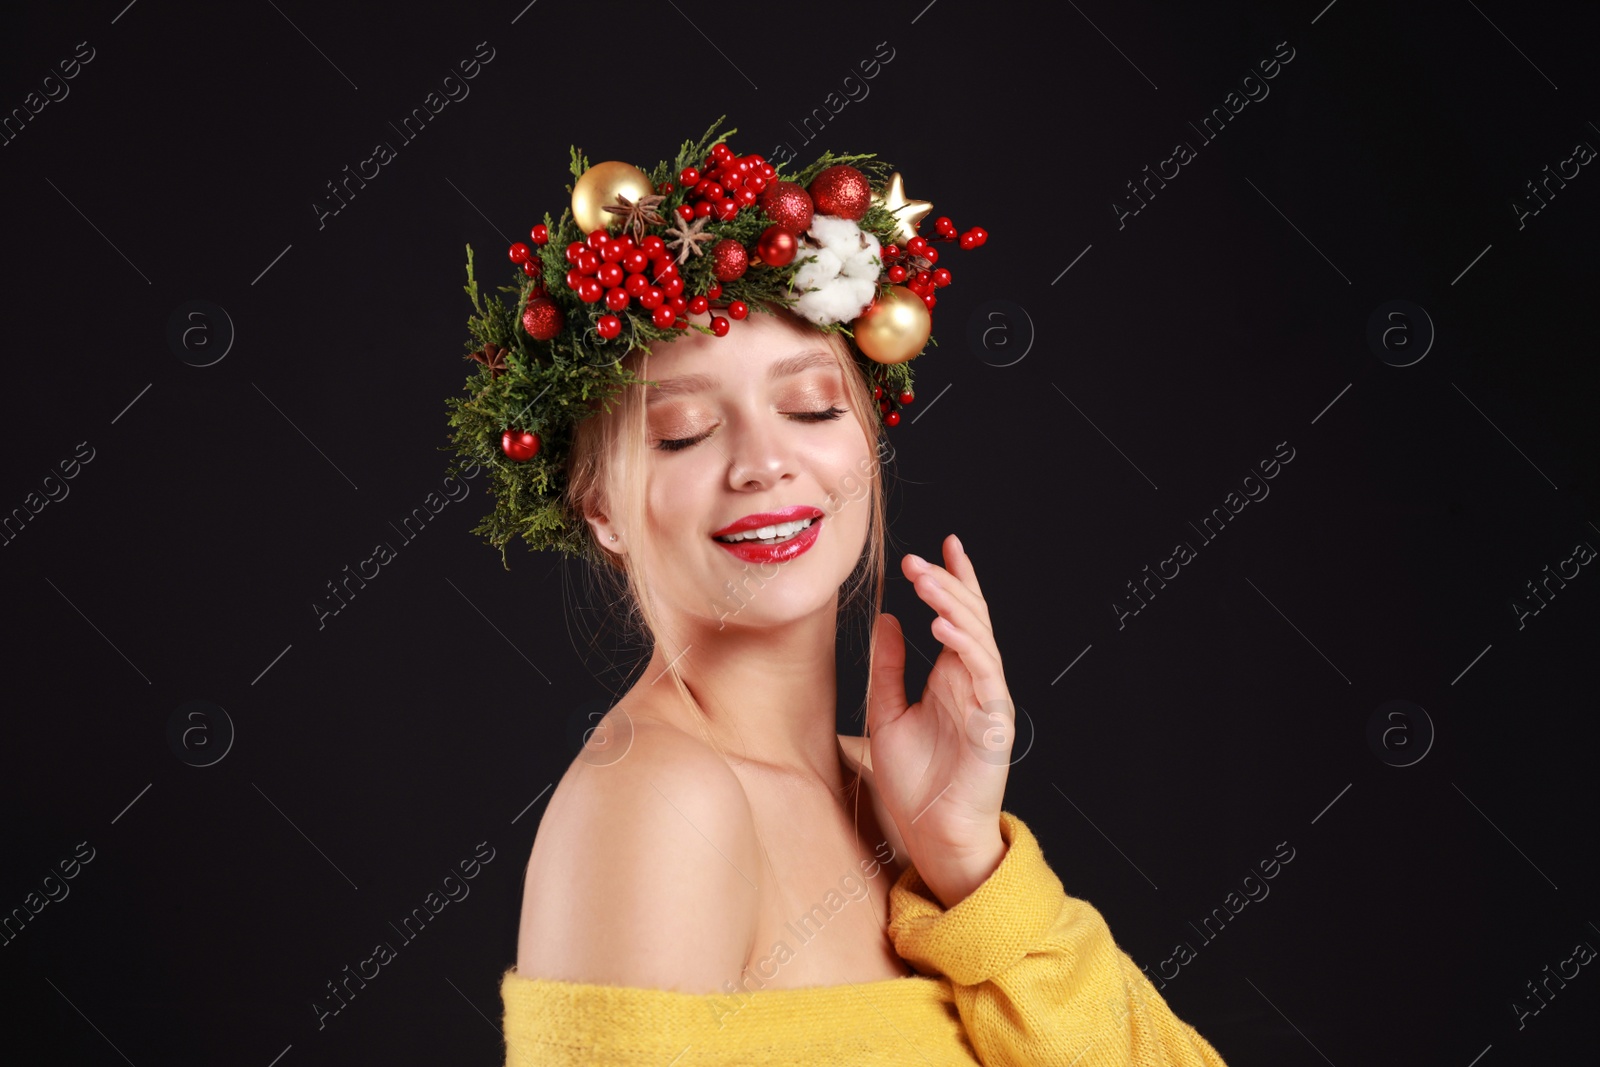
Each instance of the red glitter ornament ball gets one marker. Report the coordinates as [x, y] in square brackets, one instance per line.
[788, 205]
[519, 445]
[728, 259]
[776, 247]
[841, 191]
[542, 318]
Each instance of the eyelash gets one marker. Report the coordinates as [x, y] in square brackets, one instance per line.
[826, 415]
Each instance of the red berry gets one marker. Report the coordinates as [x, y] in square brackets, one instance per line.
[929, 299]
[892, 419]
[666, 188]
[721, 152]
[699, 305]
[755, 182]
[883, 406]
[726, 210]
[652, 246]
[590, 290]
[703, 209]
[574, 279]
[588, 262]
[531, 268]
[672, 286]
[686, 212]
[635, 261]
[891, 252]
[610, 275]
[719, 326]
[941, 277]
[598, 238]
[944, 227]
[738, 309]
[608, 326]
[924, 279]
[617, 299]
[613, 251]
[688, 176]
[710, 190]
[907, 397]
[715, 291]
[519, 445]
[662, 317]
[974, 237]
[897, 274]
[572, 252]
[930, 254]
[916, 246]
[635, 285]
[746, 196]
[877, 392]
[652, 298]
[519, 253]
[540, 234]
[768, 171]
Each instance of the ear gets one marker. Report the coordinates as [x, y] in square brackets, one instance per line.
[605, 534]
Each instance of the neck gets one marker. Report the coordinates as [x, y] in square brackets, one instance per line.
[767, 694]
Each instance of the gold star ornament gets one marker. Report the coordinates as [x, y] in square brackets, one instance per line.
[908, 214]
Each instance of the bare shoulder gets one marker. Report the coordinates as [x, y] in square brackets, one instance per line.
[644, 872]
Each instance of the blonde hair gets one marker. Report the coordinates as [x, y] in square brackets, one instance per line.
[607, 475]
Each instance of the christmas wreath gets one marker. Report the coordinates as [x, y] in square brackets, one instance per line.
[710, 233]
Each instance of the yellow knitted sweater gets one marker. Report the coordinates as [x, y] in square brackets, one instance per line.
[1017, 973]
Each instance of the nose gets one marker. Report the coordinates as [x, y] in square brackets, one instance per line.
[760, 453]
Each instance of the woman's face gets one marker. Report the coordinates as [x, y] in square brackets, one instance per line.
[750, 424]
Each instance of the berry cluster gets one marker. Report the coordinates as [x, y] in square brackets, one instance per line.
[914, 266]
[723, 184]
[890, 413]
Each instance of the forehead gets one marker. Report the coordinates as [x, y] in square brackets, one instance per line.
[696, 368]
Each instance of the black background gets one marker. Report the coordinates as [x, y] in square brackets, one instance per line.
[434, 711]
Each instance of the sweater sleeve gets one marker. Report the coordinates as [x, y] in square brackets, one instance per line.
[1036, 975]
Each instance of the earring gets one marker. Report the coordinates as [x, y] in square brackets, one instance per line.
[613, 537]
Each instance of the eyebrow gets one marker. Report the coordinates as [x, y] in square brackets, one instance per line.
[783, 368]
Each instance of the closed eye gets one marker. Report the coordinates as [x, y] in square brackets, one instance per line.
[825, 415]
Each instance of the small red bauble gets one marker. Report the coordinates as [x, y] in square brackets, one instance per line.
[662, 317]
[540, 234]
[787, 205]
[699, 305]
[519, 445]
[892, 419]
[777, 247]
[907, 397]
[542, 318]
[941, 277]
[728, 259]
[738, 309]
[720, 326]
[617, 299]
[842, 191]
[519, 253]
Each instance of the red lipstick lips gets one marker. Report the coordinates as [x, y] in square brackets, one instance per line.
[781, 552]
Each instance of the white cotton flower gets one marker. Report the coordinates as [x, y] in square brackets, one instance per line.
[842, 274]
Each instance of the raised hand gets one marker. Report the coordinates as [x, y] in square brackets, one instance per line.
[940, 764]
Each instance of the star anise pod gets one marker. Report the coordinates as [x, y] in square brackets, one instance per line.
[493, 357]
[686, 237]
[635, 216]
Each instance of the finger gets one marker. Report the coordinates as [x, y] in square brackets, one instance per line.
[955, 555]
[988, 679]
[939, 591]
[886, 685]
[956, 587]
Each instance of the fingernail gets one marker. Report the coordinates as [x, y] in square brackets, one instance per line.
[917, 560]
[957, 540]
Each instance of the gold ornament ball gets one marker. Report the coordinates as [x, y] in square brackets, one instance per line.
[895, 328]
[598, 189]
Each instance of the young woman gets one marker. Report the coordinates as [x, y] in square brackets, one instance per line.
[719, 877]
